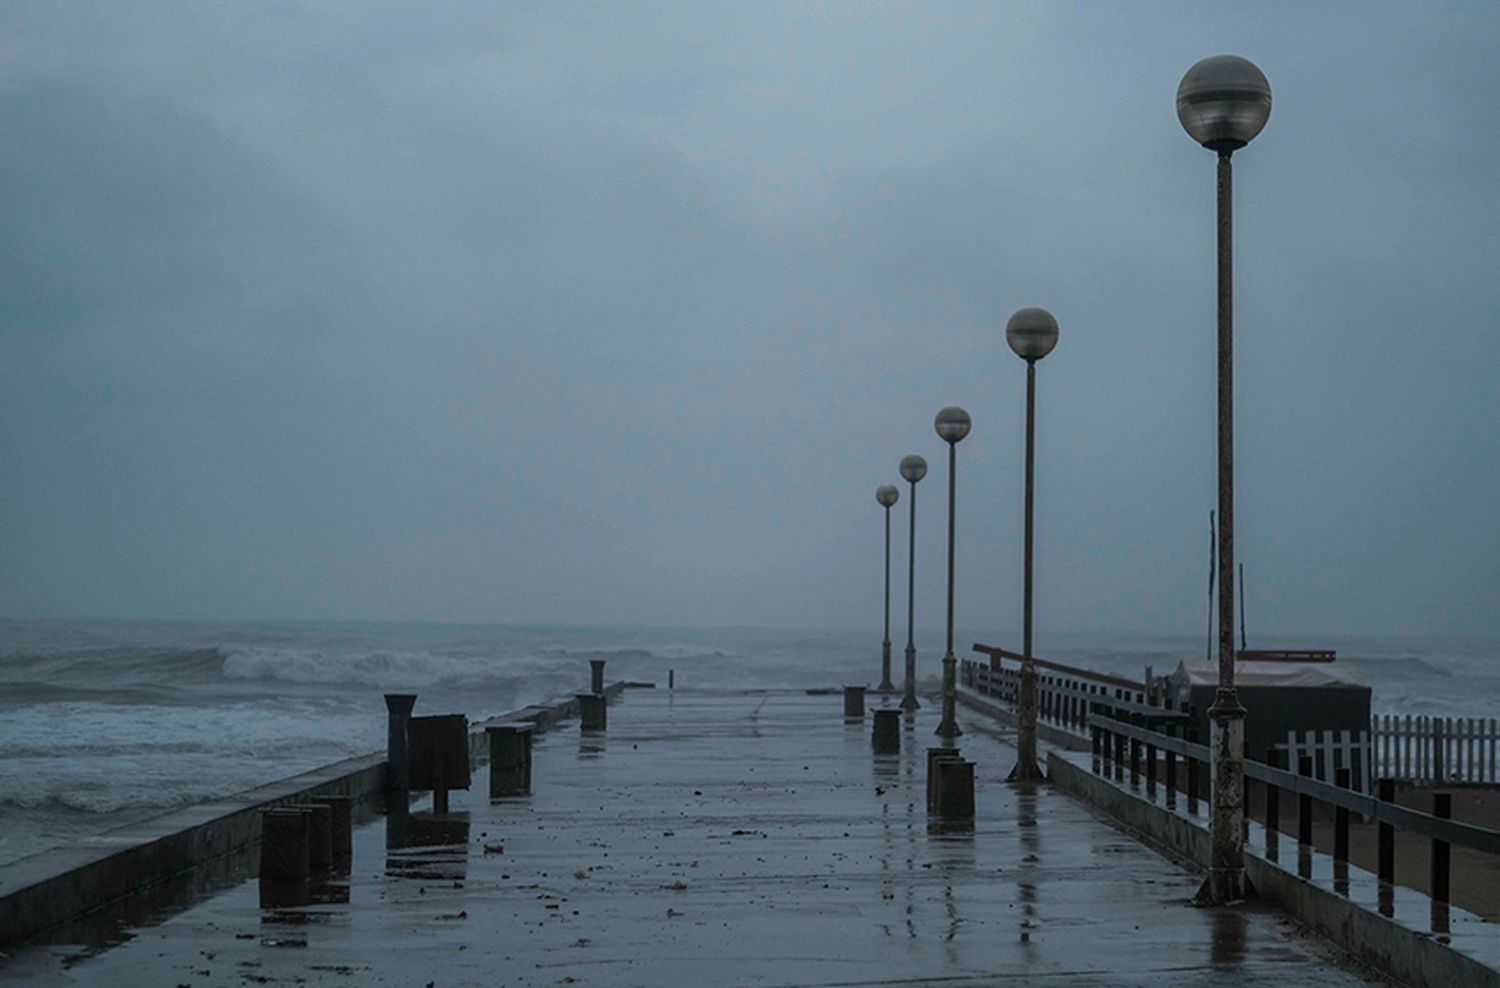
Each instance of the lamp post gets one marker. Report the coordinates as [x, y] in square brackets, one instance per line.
[1031, 333]
[913, 469]
[886, 495]
[1223, 103]
[952, 424]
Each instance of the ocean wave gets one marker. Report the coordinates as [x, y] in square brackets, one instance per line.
[393, 668]
[1404, 665]
[20, 694]
[112, 799]
[657, 652]
[112, 667]
[382, 667]
[216, 746]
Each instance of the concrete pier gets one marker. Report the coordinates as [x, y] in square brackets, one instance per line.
[340, 830]
[319, 836]
[593, 712]
[953, 795]
[934, 755]
[854, 702]
[743, 838]
[510, 759]
[284, 853]
[397, 750]
[885, 736]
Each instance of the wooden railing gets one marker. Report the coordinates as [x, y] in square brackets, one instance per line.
[1122, 749]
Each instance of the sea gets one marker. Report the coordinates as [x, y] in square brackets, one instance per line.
[103, 723]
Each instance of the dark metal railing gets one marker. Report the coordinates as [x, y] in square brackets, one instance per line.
[1066, 695]
[1119, 746]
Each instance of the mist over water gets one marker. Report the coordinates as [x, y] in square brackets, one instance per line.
[103, 723]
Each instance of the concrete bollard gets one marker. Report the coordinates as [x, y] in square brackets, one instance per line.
[596, 676]
[593, 712]
[319, 835]
[886, 737]
[283, 844]
[340, 830]
[397, 749]
[934, 755]
[854, 703]
[510, 759]
[955, 789]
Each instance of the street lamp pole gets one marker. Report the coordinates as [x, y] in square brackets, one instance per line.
[952, 424]
[913, 469]
[886, 495]
[1031, 334]
[1223, 103]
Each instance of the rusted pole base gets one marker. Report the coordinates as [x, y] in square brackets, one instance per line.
[1027, 769]
[1226, 882]
[909, 701]
[886, 686]
[949, 727]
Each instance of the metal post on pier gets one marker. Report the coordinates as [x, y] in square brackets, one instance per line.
[1032, 334]
[886, 495]
[913, 469]
[1223, 102]
[952, 425]
[1273, 806]
[1341, 819]
[1171, 771]
[1442, 808]
[397, 749]
[1386, 835]
[1305, 804]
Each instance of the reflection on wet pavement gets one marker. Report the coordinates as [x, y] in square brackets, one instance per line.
[727, 838]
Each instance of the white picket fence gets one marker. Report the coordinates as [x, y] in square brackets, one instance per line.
[1433, 749]
[1330, 751]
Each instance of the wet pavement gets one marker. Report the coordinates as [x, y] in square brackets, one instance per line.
[726, 839]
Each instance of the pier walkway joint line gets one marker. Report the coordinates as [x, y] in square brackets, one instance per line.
[727, 838]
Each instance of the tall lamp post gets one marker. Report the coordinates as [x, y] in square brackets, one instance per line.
[1223, 103]
[1031, 333]
[886, 495]
[913, 469]
[952, 424]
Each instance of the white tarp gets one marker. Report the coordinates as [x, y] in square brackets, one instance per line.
[1303, 674]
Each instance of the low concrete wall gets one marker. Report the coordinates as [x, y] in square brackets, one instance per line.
[1410, 955]
[47, 889]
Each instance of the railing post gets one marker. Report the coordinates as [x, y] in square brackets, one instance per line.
[1171, 771]
[1386, 834]
[1273, 800]
[1442, 808]
[1341, 819]
[1439, 737]
[1119, 757]
[1135, 756]
[1244, 797]
[1191, 765]
[1151, 770]
[1096, 736]
[1304, 804]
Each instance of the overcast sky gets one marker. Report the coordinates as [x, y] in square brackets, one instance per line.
[554, 312]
